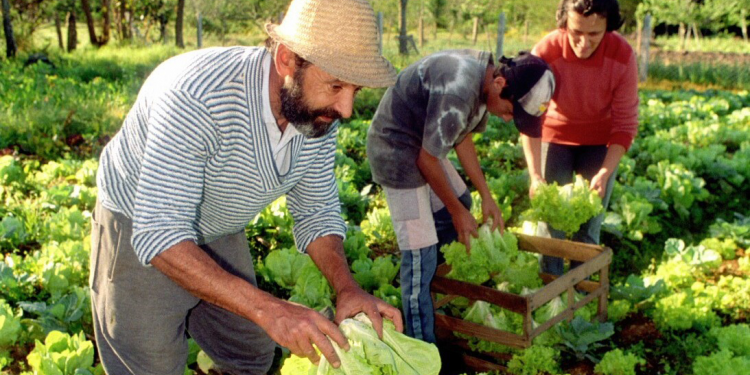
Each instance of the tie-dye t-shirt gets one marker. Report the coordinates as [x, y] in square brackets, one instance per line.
[435, 103]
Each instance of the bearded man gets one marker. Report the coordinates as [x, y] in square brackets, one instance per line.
[216, 135]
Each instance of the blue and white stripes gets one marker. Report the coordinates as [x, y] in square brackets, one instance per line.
[193, 160]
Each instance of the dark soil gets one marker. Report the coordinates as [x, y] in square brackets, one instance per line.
[584, 367]
[636, 328]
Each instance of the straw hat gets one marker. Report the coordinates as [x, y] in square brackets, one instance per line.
[338, 36]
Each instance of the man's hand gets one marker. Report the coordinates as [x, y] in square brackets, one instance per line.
[328, 254]
[298, 328]
[293, 326]
[351, 301]
[490, 211]
[466, 226]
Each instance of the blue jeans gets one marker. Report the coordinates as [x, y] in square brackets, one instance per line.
[417, 270]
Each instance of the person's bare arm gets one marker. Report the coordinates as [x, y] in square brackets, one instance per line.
[463, 221]
[532, 150]
[611, 161]
[291, 325]
[328, 254]
[467, 156]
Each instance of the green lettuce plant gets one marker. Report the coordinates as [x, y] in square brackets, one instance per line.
[395, 354]
[371, 274]
[491, 254]
[10, 331]
[565, 207]
[616, 362]
[581, 337]
[535, 360]
[722, 362]
[62, 354]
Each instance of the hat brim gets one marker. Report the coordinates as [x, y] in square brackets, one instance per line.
[360, 70]
[527, 124]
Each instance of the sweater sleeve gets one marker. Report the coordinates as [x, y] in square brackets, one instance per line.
[625, 106]
[314, 203]
[181, 137]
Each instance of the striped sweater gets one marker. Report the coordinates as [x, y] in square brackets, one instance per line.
[596, 99]
[193, 161]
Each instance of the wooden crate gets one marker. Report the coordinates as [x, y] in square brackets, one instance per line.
[595, 259]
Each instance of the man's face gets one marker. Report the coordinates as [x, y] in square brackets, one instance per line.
[585, 33]
[496, 105]
[312, 100]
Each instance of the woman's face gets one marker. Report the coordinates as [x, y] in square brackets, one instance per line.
[585, 33]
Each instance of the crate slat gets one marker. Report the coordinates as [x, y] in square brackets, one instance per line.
[558, 248]
[567, 313]
[510, 301]
[480, 331]
[570, 278]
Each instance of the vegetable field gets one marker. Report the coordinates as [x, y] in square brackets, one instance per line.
[678, 223]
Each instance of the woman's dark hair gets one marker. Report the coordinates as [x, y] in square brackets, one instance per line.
[610, 9]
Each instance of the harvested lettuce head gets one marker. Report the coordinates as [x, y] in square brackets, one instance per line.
[565, 207]
[396, 354]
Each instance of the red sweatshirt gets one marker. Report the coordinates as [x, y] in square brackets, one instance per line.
[596, 99]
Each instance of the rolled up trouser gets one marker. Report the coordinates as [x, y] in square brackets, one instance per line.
[141, 317]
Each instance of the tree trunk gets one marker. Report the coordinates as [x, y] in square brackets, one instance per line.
[58, 30]
[697, 35]
[403, 48]
[10, 40]
[90, 22]
[743, 24]
[683, 34]
[178, 24]
[475, 31]
[119, 16]
[106, 26]
[163, 21]
[131, 20]
[72, 32]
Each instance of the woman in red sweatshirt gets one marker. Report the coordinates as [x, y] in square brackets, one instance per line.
[593, 115]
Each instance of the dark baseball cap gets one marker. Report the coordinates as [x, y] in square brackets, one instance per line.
[529, 86]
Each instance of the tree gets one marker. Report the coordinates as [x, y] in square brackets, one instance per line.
[178, 24]
[10, 40]
[124, 19]
[72, 32]
[221, 15]
[70, 7]
[104, 39]
[738, 13]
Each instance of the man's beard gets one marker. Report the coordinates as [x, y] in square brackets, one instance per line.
[305, 119]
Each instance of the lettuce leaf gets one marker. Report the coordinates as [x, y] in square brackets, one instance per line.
[396, 354]
[565, 207]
